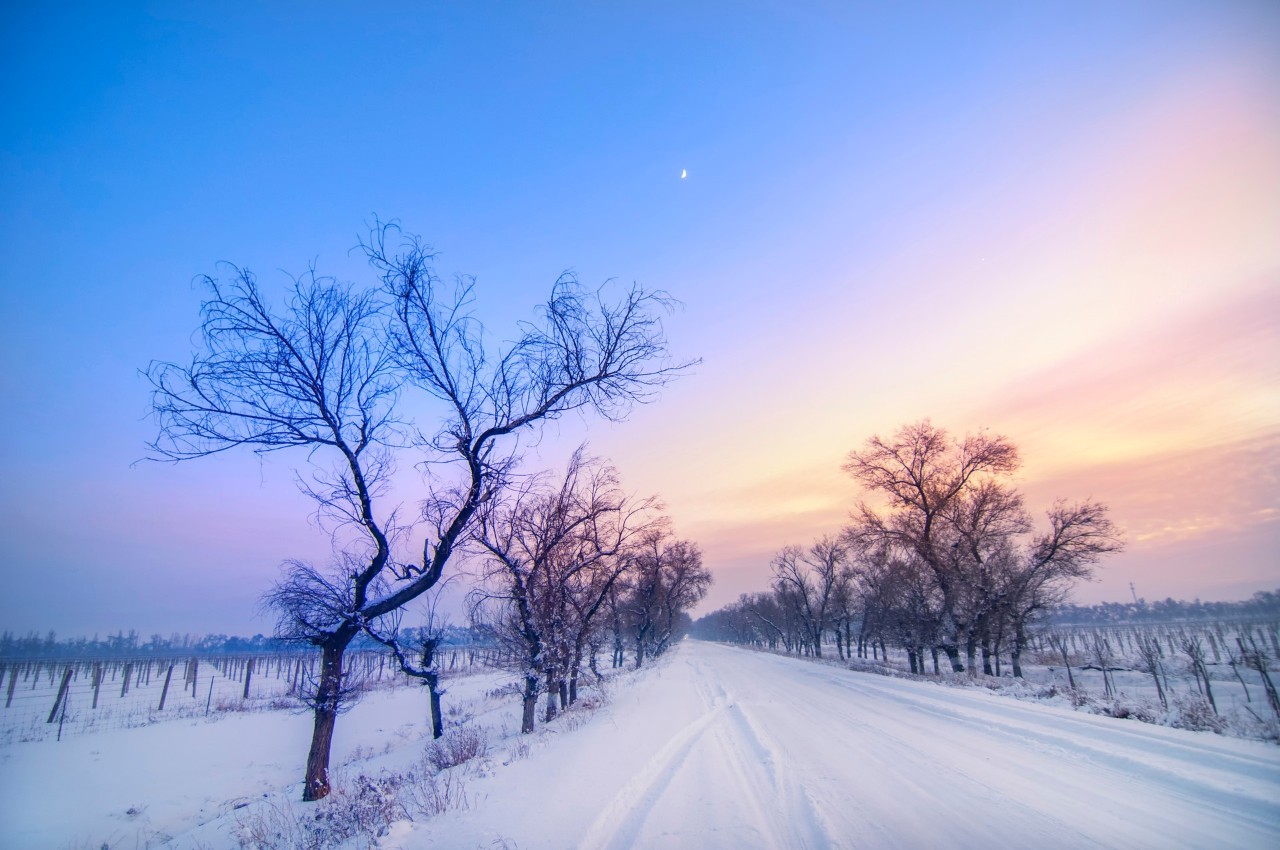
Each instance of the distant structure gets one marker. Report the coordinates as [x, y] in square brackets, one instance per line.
[1134, 592]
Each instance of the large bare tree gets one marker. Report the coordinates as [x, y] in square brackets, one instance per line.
[921, 473]
[949, 512]
[323, 373]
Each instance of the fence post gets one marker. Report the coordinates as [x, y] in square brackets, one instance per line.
[97, 682]
[62, 694]
[164, 692]
[248, 675]
[128, 668]
[13, 682]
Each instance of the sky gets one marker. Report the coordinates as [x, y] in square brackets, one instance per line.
[1056, 221]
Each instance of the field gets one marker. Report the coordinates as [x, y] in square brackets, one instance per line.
[1214, 675]
[56, 698]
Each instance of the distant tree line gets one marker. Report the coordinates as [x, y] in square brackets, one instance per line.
[1264, 603]
[942, 559]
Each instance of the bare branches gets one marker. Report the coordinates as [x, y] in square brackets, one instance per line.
[587, 352]
[314, 374]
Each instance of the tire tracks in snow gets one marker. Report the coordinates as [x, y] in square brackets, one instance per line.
[733, 778]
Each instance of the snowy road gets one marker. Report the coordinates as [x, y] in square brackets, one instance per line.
[727, 748]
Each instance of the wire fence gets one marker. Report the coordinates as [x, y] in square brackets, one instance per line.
[44, 699]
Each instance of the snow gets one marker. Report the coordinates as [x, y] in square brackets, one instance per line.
[711, 747]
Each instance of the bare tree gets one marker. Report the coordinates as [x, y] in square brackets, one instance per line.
[324, 375]
[922, 473]
[1077, 538]
[554, 554]
[808, 581]
[950, 512]
[668, 581]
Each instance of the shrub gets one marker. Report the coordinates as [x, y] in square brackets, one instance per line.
[363, 809]
[1194, 712]
[456, 747]
[429, 796]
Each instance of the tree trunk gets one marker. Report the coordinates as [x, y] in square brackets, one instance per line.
[530, 704]
[552, 692]
[1015, 654]
[953, 655]
[325, 703]
[437, 722]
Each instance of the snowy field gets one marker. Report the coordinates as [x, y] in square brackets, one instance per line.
[712, 747]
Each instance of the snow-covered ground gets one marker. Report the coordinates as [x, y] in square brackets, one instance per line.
[711, 747]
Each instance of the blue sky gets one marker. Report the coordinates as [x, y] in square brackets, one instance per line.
[891, 212]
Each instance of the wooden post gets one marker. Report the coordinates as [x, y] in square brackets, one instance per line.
[62, 694]
[248, 676]
[124, 688]
[97, 683]
[195, 666]
[165, 691]
[208, 702]
[13, 682]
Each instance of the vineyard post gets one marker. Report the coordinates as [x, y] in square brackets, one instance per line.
[13, 682]
[62, 694]
[164, 692]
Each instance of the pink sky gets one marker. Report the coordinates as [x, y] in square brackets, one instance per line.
[1125, 334]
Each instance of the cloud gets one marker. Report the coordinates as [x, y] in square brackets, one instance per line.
[1208, 378]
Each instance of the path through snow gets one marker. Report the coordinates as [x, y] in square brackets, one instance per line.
[726, 748]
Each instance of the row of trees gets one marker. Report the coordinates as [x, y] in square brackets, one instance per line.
[571, 562]
[942, 558]
[333, 374]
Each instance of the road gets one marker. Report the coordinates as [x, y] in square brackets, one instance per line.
[726, 748]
